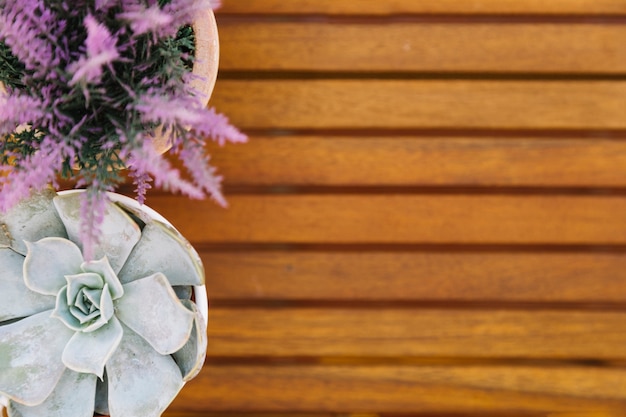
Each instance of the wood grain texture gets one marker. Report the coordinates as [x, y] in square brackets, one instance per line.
[359, 7]
[404, 389]
[328, 104]
[523, 219]
[404, 276]
[423, 47]
[424, 161]
[417, 333]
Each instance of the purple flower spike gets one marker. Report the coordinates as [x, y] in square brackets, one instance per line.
[101, 51]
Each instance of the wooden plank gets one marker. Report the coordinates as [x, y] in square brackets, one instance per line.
[510, 104]
[404, 389]
[424, 47]
[485, 219]
[424, 161]
[406, 276]
[369, 7]
[389, 332]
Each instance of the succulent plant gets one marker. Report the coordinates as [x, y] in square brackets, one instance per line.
[119, 335]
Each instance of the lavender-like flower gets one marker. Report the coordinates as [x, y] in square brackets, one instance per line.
[100, 52]
[89, 84]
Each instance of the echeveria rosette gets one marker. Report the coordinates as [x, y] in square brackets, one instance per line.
[118, 335]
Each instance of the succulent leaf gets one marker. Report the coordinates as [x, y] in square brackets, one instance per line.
[89, 352]
[47, 263]
[28, 370]
[163, 249]
[13, 288]
[30, 220]
[150, 307]
[191, 357]
[141, 382]
[72, 396]
[119, 232]
[103, 268]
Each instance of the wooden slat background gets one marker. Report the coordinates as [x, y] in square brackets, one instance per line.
[430, 216]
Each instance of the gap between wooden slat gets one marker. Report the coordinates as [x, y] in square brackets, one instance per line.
[416, 304]
[420, 18]
[374, 75]
[396, 133]
[348, 7]
[409, 361]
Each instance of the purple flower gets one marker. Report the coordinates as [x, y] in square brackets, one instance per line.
[146, 160]
[20, 28]
[150, 19]
[101, 51]
[184, 11]
[36, 171]
[17, 109]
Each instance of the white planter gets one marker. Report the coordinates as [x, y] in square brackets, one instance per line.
[134, 317]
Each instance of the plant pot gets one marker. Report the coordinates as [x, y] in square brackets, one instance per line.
[205, 66]
[127, 329]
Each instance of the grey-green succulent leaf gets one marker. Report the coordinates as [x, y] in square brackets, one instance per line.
[47, 263]
[30, 357]
[30, 220]
[16, 299]
[163, 249]
[119, 232]
[151, 308]
[89, 352]
[191, 357]
[103, 268]
[142, 383]
[72, 396]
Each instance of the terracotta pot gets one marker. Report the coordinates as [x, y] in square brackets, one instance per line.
[205, 65]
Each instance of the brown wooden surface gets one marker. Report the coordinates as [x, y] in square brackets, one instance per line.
[425, 161]
[405, 219]
[406, 104]
[430, 218]
[365, 7]
[415, 332]
[403, 389]
[424, 47]
[404, 275]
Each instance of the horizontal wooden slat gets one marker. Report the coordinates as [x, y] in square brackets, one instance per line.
[360, 7]
[404, 389]
[397, 104]
[430, 276]
[426, 47]
[388, 332]
[416, 161]
[520, 219]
